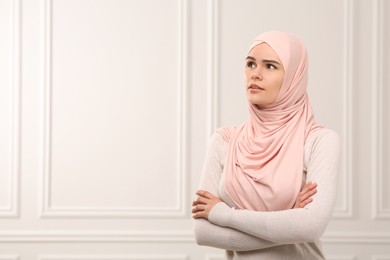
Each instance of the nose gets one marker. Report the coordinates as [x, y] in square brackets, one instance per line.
[256, 74]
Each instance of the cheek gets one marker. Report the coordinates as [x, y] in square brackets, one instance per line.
[278, 86]
[278, 83]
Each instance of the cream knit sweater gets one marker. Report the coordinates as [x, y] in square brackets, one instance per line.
[288, 234]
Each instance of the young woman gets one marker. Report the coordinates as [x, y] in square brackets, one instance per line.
[258, 195]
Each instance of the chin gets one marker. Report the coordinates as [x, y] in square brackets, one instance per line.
[258, 104]
[255, 101]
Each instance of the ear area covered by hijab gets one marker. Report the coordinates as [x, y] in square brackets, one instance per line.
[265, 159]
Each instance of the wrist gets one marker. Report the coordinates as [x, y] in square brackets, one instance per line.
[220, 214]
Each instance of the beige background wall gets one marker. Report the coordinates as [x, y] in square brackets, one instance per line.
[107, 107]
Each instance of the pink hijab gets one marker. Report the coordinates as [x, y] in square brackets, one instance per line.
[264, 167]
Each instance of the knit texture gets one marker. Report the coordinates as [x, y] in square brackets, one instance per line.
[286, 234]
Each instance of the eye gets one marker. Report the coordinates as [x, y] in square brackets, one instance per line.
[271, 66]
[251, 64]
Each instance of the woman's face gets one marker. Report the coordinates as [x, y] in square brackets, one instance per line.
[264, 75]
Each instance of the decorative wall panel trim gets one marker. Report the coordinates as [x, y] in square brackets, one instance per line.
[215, 257]
[346, 211]
[212, 67]
[114, 257]
[97, 236]
[49, 211]
[12, 210]
[340, 257]
[380, 257]
[356, 238]
[379, 212]
[9, 257]
[159, 236]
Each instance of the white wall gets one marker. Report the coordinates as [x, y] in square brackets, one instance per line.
[107, 107]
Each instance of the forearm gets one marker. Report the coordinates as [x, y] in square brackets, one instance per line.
[280, 227]
[208, 234]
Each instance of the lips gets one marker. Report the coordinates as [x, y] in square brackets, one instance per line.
[254, 86]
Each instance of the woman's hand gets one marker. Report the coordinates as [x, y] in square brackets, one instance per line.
[202, 206]
[306, 194]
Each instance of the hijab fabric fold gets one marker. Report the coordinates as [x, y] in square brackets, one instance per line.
[264, 167]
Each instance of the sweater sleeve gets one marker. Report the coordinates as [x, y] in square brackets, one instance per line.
[293, 225]
[209, 234]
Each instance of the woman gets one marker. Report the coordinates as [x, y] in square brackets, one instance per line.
[249, 202]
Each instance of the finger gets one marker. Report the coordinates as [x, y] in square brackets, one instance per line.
[311, 185]
[205, 194]
[308, 186]
[200, 200]
[308, 194]
[200, 214]
[305, 202]
[311, 192]
[198, 208]
[304, 190]
[307, 190]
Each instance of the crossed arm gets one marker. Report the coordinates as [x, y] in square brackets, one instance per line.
[206, 200]
[218, 225]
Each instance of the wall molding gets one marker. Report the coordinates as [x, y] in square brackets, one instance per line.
[49, 211]
[212, 67]
[215, 257]
[330, 257]
[356, 238]
[346, 211]
[95, 236]
[380, 257]
[12, 210]
[114, 257]
[63, 236]
[378, 210]
[9, 257]
[341, 257]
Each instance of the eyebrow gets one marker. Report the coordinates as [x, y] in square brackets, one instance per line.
[264, 60]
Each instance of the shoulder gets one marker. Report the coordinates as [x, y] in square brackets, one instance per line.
[321, 144]
[226, 132]
[217, 145]
[217, 138]
[320, 137]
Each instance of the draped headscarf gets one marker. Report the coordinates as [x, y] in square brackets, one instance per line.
[264, 167]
